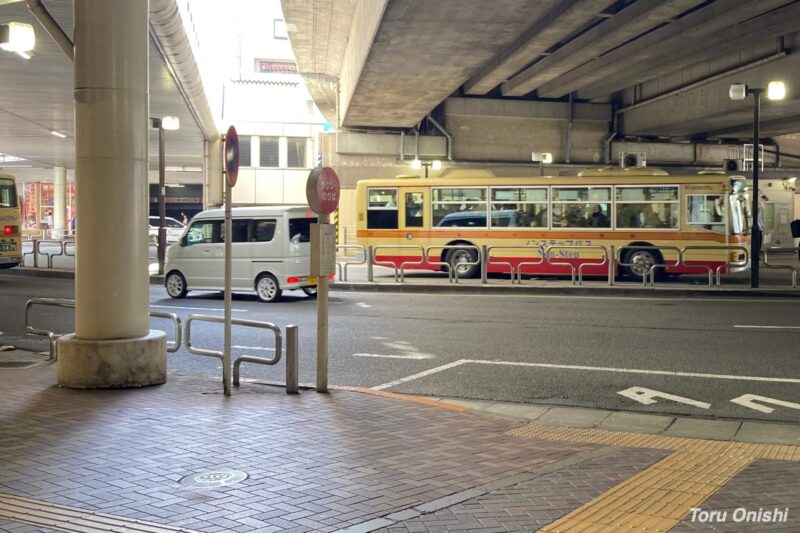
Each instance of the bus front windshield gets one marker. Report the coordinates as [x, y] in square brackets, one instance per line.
[8, 193]
[741, 218]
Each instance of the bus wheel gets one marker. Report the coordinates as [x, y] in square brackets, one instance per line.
[175, 285]
[641, 261]
[267, 288]
[457, 257]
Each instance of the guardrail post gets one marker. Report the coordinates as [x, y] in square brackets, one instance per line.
[370, 258]
[292, 360]
[485, 266]
[612, 261]
[35, 253]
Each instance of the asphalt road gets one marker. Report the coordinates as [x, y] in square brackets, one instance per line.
[608, 352]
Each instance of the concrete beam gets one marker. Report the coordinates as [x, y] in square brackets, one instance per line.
[561, 21]
[366, 20]
[388, 144]
[625, 25]
[686, 52]
[524, 109]
[660, 46]
[707, 108]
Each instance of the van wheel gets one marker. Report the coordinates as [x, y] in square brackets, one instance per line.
[456, 259]
[311, 292]
[175, 284]
[267, 288]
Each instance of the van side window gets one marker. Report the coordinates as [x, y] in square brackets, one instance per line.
[263, 230]
[203, 232]
[300, 229]
[240, 230]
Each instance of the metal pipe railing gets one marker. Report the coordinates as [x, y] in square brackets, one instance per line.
[50, 256]
[172, 347]
[453, 270]
[397, 276]
[51, 336]
[571, 266]
[651, 271]
[292, 357]
[341, 266]
[777, 250]
[718, 270]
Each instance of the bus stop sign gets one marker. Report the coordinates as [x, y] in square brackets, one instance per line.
[322, 190]
[232, 156]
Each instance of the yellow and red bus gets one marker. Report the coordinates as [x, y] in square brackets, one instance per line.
[633, 208]
[10, 223]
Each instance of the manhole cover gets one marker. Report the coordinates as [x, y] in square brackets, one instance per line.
[17, 364]
[215, 478]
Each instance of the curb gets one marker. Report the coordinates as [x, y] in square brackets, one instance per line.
[663, 292]
[471, 288]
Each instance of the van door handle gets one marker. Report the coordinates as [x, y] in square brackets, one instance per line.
[206, 250]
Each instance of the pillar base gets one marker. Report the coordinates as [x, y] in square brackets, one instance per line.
[114, 363]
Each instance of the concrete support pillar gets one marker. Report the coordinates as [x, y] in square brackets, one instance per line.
[212, 170]
[59, 202]
[113, 345]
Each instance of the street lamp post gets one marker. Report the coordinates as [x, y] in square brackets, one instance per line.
[738, 91]
[166, 123]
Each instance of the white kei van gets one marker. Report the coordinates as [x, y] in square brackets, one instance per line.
[271, 252]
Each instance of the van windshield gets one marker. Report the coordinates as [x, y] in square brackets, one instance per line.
[300, 229]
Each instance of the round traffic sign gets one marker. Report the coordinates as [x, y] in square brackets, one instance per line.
[322, 190]
[232, 155]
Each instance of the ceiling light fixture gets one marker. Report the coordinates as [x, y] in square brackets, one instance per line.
[17, 37]
[58, 134]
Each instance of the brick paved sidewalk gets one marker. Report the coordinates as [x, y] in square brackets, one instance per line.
[125, 461]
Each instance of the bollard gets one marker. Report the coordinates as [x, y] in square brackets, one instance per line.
[612, 262]
[485, 266]
[370, 258]
[292, 360]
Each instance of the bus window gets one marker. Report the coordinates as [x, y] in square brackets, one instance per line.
[8, 195]
[581, 207]
[706, 211]
[648, 207]
[382, 209]
[414, 210]
[530, 204]
[449, 202]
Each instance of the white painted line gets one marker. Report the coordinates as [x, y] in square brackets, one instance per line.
[420, 375]
[648, 397]
[749, 401]
[768, 327]
[238, 347]
[638, 371]
[362, 304]
[196, 308]
[409, 356]
[627, 299]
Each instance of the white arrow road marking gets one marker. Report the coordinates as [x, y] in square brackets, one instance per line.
[768, 327]
[647, 397]
[407, 356]
[749, 401]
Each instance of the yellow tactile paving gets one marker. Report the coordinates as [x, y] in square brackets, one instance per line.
[657, 498]
[660, 442]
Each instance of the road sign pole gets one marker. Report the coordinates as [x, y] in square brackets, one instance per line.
[322, 191]
[226, 351]
[322, 321]
[231, 174]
